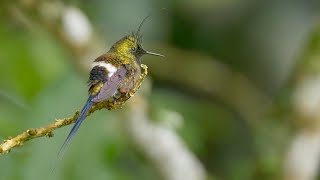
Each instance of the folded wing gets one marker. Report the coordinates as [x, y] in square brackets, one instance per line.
[111, 86]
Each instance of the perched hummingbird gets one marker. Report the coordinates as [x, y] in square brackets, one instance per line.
[113, 72]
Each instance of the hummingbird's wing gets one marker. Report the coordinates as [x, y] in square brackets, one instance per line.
[112, 85]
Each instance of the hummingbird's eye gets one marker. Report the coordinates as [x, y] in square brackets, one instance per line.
[132, 49]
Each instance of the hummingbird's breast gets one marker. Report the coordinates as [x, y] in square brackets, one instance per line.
[133, 73]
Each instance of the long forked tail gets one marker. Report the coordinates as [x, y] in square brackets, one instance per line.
[76, 125]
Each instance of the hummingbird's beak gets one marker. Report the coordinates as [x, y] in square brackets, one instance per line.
[153, 54]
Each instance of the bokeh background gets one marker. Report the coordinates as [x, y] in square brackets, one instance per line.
[237, 96]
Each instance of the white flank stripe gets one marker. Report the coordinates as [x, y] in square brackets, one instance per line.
[110, 68]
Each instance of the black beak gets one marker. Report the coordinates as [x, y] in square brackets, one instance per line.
[152, 53]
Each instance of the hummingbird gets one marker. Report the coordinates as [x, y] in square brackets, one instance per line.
[113, 72]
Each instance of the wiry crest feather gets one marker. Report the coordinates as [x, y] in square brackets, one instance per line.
[138, 35]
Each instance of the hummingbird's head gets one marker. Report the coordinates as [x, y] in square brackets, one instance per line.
[132, 45]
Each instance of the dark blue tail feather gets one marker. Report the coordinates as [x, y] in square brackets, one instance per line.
[77, 124]
[74, 129]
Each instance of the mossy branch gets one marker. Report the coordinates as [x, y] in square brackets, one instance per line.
[33, 133]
